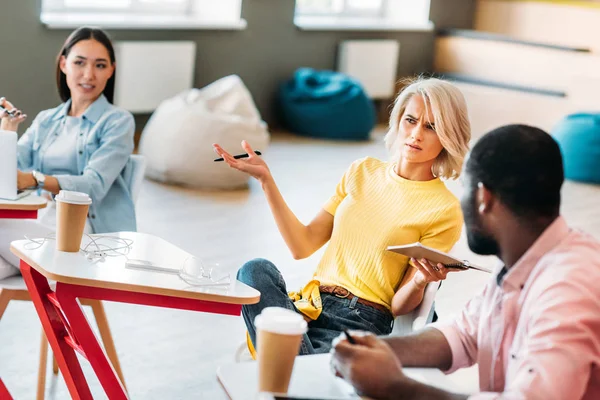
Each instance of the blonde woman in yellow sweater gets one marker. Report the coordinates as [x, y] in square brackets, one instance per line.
[358, 284]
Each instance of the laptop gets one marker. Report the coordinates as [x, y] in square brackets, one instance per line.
[8, 169]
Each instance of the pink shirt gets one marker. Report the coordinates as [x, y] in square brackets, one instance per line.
[536, 335]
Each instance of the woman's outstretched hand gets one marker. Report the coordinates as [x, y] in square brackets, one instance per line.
[253, 165]
[10, 122]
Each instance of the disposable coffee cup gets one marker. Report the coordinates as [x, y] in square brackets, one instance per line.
[279, 334]
[71, 214]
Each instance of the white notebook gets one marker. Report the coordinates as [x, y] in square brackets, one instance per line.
[418, 251]
[8, 165]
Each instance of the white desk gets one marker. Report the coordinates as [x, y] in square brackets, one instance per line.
[312, 377]
[25, 208]
[66, 326]
[76, 269]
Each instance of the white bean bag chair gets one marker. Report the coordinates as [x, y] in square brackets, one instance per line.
[177, 140]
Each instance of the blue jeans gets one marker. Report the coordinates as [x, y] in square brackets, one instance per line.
[337, 314]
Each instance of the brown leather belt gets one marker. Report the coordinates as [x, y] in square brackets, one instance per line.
[345, 294]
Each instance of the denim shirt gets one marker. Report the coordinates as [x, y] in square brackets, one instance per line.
[104, 145]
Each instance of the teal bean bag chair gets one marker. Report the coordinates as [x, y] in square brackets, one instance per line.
[326, 104]
[579, 138]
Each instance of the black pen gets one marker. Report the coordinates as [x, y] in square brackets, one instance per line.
[237, 157]
[350, 338]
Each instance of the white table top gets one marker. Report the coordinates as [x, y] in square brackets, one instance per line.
[30, 202]
[312, 377]
[75, 268]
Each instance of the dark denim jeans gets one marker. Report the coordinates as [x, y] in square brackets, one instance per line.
[338, 313]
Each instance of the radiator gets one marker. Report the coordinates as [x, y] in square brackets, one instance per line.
[374, 63]
[150, 72]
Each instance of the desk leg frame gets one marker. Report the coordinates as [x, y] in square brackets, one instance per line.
[68, 329]
[18, 214]
[4, 393]
[53, 325]
[88, 342]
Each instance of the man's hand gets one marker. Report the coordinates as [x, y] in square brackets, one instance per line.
[370, 365]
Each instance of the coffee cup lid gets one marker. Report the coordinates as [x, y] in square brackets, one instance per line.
[67, 196]
[281, 320]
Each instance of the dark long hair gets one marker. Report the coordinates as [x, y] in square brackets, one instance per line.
[85, 33]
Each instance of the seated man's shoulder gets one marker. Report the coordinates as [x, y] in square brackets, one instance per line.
[579, 250]
[575, 262]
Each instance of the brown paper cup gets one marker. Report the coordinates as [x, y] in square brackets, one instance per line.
[279, 334]
[71, 216]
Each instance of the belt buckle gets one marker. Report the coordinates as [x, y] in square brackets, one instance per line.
[337, 295]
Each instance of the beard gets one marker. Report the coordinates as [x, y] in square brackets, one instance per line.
[480, 241]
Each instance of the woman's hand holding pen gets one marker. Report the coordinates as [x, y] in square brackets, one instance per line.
[302, 240]
[10, 116]
[253, 165]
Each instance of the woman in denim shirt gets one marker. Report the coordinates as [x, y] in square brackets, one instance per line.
[82, 145]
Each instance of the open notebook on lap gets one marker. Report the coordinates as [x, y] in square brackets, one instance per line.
[8, 168]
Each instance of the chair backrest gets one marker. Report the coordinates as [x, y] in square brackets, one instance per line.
[421, 316]
[138, 168]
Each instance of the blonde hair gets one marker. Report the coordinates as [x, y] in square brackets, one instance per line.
[451, 119]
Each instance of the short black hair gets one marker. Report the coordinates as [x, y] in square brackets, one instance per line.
[523, 166]
[85, 33]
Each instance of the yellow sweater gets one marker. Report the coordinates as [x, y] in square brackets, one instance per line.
[374, 208]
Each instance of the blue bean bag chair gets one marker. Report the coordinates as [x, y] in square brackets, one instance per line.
[579, 138]
[326, 104]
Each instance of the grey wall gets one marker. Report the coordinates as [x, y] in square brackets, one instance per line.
[263, 55]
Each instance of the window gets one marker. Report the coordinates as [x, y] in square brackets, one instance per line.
[363, 14]
[144, 14]
[370, 8]
[171, 7]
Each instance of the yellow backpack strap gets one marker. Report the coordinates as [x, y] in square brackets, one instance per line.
[308, 300]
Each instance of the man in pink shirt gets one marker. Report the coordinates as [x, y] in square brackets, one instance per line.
[534, 330]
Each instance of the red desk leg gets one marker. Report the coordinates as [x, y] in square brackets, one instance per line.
[18, 214]
[68, 329]
[154, 300]
[4, 393]
[56, 332]
[88, 343]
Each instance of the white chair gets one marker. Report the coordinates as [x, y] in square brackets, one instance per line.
[138, 169]
[242, 353]
[14, 288]
[420, 316]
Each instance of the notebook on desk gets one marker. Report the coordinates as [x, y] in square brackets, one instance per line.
[8, 184]
[20, 194]
[419, 251]
[8, 167]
